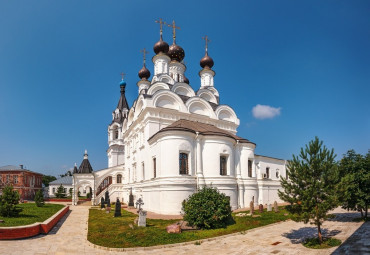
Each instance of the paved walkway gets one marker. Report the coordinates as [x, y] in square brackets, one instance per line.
[69, 237]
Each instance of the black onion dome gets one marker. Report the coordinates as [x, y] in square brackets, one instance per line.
[176, 53]
[144, 73]
[161, 46]
[206, 61]
[186, 80]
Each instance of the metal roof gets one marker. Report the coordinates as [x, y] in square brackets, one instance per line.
[66, 180]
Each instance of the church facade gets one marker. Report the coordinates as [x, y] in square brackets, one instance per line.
[175, 139]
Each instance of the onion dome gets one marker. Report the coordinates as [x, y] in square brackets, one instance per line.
[122, 83]
[176, 53]
[186, 80]
[160, 46]
[206, 61]
[144, 73]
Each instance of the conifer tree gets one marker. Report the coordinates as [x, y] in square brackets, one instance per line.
[60, 192]
[310, 186]
[8, 202]
[39, 198]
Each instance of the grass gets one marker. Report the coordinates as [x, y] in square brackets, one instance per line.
[31, 214]
[313, 243]
[105, 230]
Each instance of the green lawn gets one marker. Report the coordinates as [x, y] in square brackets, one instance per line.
[105, 230]
[31, 214]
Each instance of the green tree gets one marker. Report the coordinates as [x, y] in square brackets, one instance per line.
[8, 202]
[39, 198]
[46, 179]
[354, 187]
[68, 173]
[207, 209]
[310, 186]
[60, 192]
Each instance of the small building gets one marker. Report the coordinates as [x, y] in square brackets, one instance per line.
[65, 181]
[26, 182]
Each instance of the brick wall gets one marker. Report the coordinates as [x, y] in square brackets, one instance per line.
[34, 229]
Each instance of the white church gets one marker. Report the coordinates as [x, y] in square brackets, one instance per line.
[175, 139]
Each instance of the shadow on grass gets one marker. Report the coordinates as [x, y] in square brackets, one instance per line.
[297, 236]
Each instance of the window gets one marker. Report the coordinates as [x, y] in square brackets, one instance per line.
[143, 170]
[116, 134]
[183, 163]
[15, 179]
[155, 167]
[119, 178]
[277, 173]
[267, 172]
[53, 190]
[84, 191]
[249, 168]
[223, 163]
[7, 178]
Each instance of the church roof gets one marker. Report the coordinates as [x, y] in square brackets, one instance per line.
[85, 167]
[122, 103]
[201, 128]
[66, 180]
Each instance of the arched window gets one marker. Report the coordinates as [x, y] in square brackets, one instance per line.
[183, 163]
[119, 178]
[277, 173]
[249, 168]
[223, 164]
[267, 172]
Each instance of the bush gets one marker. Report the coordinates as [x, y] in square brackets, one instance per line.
[207, 209]
[88, 195]
[39, 198]
[8, 202]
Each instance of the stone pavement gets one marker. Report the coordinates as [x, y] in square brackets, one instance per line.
[69, 237]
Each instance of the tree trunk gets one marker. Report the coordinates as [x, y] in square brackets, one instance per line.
[366, 211]
[319, 233]
[362, 213]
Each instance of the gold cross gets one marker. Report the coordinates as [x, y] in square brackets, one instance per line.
[161, 23]
[205, 38]
[173, 30]
[122, 74]
[144, 51]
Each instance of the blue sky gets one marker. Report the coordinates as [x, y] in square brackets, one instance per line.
[60, 63]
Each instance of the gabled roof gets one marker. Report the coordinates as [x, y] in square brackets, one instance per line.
[66, 180]
[201, 128]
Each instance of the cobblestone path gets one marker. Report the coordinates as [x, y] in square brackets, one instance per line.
[69, 237]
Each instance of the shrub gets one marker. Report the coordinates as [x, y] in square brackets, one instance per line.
[39, 198]
[207, 209]
[8, 202]
[88, 195]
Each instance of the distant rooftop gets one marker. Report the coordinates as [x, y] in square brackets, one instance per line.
[16, 168]
[66, 180]
[12, 167]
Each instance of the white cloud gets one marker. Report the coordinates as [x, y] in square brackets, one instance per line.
[265, 112]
